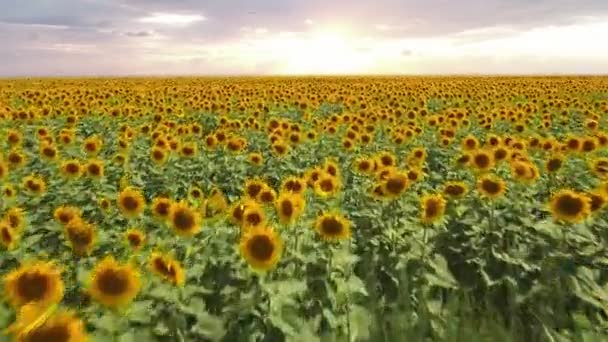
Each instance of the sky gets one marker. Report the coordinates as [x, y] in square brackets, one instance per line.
[302, 37]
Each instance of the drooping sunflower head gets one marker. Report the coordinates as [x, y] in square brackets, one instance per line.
[569, 206]
[333, 226]
[34, 282]
[113, 284]
[80, 235]
[131, 202]
[135, 238]
[432, 208]
[261, 248]
[184, 219]
[455, 189]
[9, 192]
[167, 268]
[491, 187]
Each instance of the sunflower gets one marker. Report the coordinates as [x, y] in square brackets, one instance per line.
[104, 204]
[599, 167]
[364, 166]
[34, 185]
[16, 219]
[523, 171]
[294, 185]
[40, 323]
[135, 238]
[289, 206]
[4, 168]
[554, 163]
[313, 175]
[211, 141]
[131, 202]
[267, 196]
[8, 237]
[253, 187]
[482, 160]
[333, 226]
[158, 155]
[216, 203]
[470, 143]
[253, 217]
[9, 191]
[80, 235]
[573, 144]
[167, 269]
[569, 206]
[113, 284]
[184, 220]
[195, 193]
[188, 150]
[598, 200]
[161, 207]
[261, 248]
[331, 168]
[455, 189]
[432, 208]
[327, 185]
[491, 186]
[71, 169]
[48, 152]
[35, 281]
[280, 148]
[464, 159]
[92, 145]
[94, 168]
[256, 158]
[14, 137]
[16, 159]
[395, 184]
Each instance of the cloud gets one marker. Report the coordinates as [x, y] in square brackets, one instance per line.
[172, 19]
[139, 34]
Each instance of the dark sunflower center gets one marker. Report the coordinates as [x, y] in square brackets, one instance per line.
[482, 161]
[254, 189]
[254, 218]
[431, 208]
[94, 169]
[387, 161]
[80, 237]
[162, 209]
[287, 208]
[15, 158]
[72, 168]
[454, 190]
[65, 217]
[158, 155]
[331, 226]
[490, 186]
[49, 152]
[54, 333]
[32, 286]
[266, 197]
[6, 235]
[327, 185]
[112, 282]
[183, 220]
[569, 205]
[395, 185]
[134, 240]
[261, 247]
[554, 164]
[163, 268]
[130, 203]
[91, 147]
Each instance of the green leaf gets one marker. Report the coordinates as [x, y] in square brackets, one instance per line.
[442, 276]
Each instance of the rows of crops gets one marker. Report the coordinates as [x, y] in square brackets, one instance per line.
[304, 209]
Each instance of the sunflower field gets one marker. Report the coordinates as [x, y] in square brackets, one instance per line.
[304, 209]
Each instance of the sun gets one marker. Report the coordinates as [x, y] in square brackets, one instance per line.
[327, 52]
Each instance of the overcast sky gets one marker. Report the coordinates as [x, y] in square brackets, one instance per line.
[140, 37]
